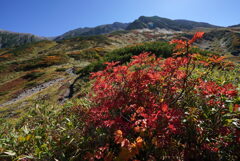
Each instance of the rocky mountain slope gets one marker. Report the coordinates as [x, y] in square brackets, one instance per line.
[142, 22]
[222, 41]
[159, 22]
[12, 39]
[87, 31]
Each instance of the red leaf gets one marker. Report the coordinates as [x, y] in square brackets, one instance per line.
[198, 35]
[164, 107]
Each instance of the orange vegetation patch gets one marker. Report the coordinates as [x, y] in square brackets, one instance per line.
[52, 59]
[96, 49]
[5, 56]
[12, 84]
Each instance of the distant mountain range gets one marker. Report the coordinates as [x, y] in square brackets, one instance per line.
[235, 25]
[12, 39]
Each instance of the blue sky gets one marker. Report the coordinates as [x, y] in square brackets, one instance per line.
[54, 17]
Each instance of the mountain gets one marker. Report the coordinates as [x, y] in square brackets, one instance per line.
[12, 39]
[87, 31]
[141, 23]
[235, 25]
[159, 22]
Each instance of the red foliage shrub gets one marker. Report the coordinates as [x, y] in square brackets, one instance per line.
[155, 109]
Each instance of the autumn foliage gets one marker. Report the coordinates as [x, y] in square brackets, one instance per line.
[164, 109]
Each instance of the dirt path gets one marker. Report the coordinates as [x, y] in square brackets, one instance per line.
[32, 91]
[69, 90]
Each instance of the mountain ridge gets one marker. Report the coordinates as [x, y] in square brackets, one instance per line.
[160, 22]
[9, 39]
[90, 31]
[142, 22]
[238, 25]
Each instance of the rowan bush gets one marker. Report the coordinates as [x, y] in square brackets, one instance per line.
[164, 109]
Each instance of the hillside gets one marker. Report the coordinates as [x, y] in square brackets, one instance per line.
[12, 39]
[152, 96]
[238, 25]
[50, 71]
[223, 41]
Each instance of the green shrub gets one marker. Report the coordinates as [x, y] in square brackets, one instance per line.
[33, 75]
[87, 54]
[124, 55]
[3, 93]
[47, 133]
[61, 70]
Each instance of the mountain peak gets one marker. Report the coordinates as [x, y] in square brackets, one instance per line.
[165, 23]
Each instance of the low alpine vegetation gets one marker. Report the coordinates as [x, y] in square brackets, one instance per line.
[184, 107]
[172, 109]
